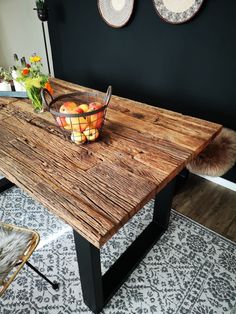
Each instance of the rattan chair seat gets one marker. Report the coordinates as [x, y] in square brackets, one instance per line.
[16, 246]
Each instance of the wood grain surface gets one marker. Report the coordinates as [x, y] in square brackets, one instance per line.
[209, 204]
[98, 187]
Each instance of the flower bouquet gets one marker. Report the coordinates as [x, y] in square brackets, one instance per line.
[31, 77]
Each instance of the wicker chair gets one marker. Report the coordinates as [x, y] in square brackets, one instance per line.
[16, 246]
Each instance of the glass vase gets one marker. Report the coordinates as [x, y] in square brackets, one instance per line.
[34, 95]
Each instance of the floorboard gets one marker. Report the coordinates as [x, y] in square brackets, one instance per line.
[209, 204]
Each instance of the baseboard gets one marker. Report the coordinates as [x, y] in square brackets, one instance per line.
[223, 182]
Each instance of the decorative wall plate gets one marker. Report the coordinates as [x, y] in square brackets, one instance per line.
[116, 13]
[177, 11]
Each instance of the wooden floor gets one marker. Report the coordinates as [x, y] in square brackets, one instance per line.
[209, 204]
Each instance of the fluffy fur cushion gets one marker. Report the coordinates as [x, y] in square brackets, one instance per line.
[12, 246]
[218, 157]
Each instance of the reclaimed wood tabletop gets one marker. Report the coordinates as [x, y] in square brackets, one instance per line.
[97, 187]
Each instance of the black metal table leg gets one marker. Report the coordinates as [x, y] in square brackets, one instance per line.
[90, 273]
[5, 184]
[181, 179]
[162, 205]
[97, 289]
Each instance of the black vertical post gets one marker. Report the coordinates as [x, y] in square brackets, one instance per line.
[46, 49]
[162, 205]
[90, 273]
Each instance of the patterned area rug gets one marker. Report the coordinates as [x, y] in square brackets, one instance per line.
[190, 270]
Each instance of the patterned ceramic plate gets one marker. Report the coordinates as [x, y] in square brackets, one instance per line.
[177, 11]
[116, 13]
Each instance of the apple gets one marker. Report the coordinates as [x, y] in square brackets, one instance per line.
[77, 123]
[78, 137]
[96, 119]
[61, 121]
[91, 133]
[84, 107]
[82, 124]
[95, 105]
[68, 127]
[68, 107]
[79, 110]
[72, 121]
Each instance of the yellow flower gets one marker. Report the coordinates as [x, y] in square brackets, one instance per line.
[33, 82]
[35, 59]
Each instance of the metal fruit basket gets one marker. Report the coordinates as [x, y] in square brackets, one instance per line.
[79, 115]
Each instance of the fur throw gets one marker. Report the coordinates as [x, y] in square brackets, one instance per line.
[218, 157]
[13, 244]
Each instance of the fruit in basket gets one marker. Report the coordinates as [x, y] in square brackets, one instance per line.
[77, 124]
[78, 110]
[73, 120]
[84, 107]
[67, 127]
[68, 107]
[91, 133]
[96, 119]
[95, 105]
[78, 137]
[61, 121]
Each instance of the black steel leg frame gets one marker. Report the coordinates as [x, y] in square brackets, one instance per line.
[5, 184]
[98, 289]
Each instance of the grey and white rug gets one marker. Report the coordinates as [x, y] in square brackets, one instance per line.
[190, 270]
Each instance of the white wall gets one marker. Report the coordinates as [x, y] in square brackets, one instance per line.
[20, 32]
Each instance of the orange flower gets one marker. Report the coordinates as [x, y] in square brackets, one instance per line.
[48, 87]
[25, 71]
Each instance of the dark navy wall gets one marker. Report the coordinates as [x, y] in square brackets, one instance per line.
[190, 68]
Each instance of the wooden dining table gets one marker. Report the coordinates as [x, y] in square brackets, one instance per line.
[98, 187]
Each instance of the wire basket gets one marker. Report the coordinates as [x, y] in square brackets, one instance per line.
[79, 115]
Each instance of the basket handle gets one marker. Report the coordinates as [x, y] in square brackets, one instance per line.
[43, 92]
[108, 95]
